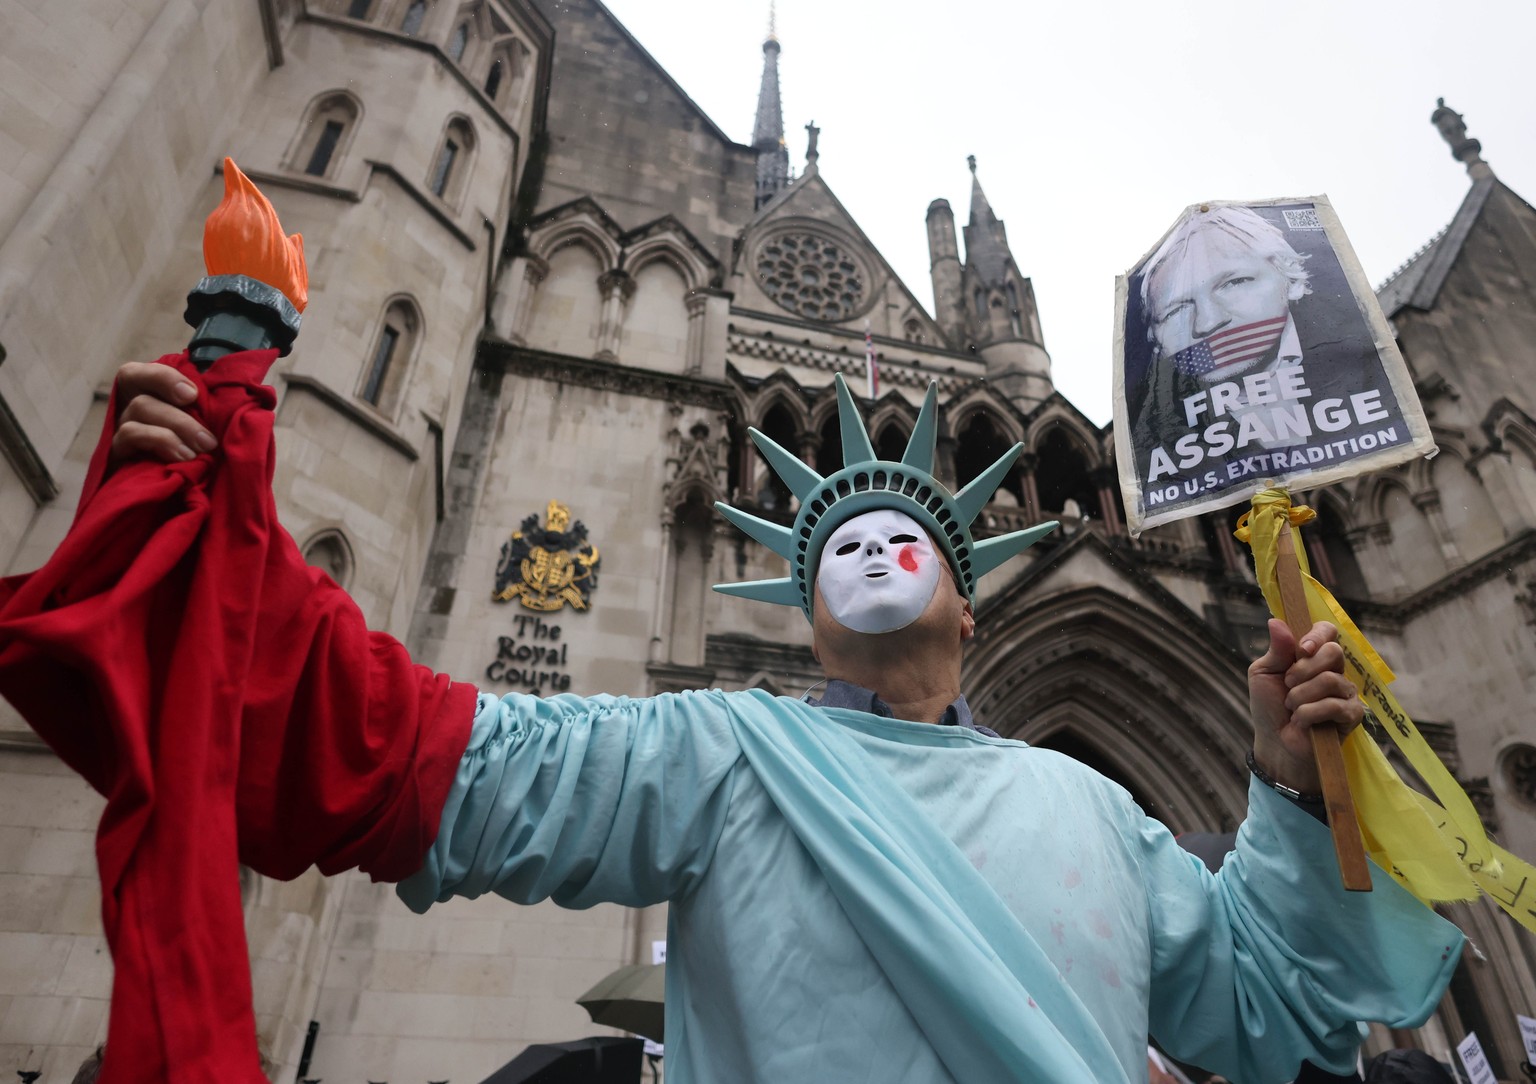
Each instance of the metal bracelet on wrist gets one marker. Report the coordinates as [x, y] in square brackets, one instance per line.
[1278, 787]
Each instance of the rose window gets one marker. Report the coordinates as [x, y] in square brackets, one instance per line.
[811, 276]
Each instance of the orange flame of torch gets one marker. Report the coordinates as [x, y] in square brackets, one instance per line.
[244, 237]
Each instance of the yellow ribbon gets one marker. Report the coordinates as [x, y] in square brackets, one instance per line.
[1435, 848]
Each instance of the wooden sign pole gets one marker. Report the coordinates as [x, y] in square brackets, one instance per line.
[1326, 744]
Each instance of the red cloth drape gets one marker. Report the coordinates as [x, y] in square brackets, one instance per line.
[231, 705]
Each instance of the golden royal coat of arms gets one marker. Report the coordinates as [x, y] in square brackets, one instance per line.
[549, 566]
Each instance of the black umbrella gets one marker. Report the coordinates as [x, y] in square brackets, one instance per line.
[1406, 1067]
[598, 1060]
[631, 999]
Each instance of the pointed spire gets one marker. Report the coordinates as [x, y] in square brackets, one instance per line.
[1001, 318]
[768, 129]
[981, 210]
[986, 238]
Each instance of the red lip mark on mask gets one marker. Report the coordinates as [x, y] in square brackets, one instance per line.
[906, 559]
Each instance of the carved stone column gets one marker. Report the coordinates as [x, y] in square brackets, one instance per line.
[1231, 560]
[1496, 471]
[697, 304]
[1109, 498]
[523, 288]
[686, 644]
[1373, 551]
[808, 444]
[1317, 556]
[748, 478]
[616, 288]
[661, 616]
[1027, 464]
[1428, 502]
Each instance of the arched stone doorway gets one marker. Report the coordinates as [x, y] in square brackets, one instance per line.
[1148, 700]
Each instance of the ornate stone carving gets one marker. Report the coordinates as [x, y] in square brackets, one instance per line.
[1525, 599]
[1481, 792]
[893, 372]
[810, 275]
[699, 445]
[603, 376]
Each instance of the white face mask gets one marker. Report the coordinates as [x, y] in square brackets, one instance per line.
[878, 572]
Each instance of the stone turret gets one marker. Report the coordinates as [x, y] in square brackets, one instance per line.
[1001, 320]
[944, 268]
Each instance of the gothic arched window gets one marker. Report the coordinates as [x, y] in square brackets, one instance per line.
[447, 158]
[384, 375]
[330, 552]
[1061, 475]
[414, 15]
[891, 442]
[458, 42]
[504, 79]
[451, 166]
[325, 148]
[772, 494]
[980, 298]
[1342, 572]
[1014, 320]
[324, 135]
[829, 451]
[981, 442]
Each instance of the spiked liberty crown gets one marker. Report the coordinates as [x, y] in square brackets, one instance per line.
[865, 484]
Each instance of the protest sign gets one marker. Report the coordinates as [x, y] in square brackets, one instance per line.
[1474, 1061]
[1528, 1037]
[1250, 352]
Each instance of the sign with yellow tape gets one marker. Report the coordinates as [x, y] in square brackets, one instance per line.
[1435, 847]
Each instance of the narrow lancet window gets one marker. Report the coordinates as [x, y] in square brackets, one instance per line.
[325, 147]
[414, 14]
[383, 357]
[444, 169]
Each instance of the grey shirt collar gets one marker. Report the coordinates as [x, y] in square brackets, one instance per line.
[845, 694]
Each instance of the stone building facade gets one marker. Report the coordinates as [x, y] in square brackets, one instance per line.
[541, 273]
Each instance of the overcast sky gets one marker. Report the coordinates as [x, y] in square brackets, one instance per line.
[1095, 124]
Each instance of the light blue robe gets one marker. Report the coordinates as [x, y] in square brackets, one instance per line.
[865, 899]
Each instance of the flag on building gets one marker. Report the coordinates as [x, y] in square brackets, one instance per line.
[871, 364]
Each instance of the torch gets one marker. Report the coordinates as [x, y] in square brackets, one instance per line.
[257, 282]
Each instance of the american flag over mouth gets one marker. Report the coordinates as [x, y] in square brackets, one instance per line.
[1231, 346]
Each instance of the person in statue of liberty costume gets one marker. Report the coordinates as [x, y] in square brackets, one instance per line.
[870, 887]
